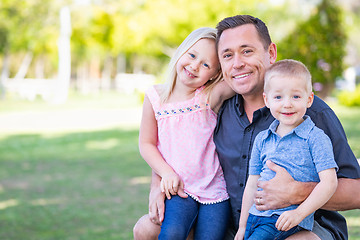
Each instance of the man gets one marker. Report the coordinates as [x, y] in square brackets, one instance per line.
[245, 50]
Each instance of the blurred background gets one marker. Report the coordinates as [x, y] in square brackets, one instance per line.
[73, 76]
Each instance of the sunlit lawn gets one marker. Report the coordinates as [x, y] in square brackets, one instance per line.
[87, 184]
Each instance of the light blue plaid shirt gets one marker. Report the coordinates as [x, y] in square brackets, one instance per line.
[303, 152]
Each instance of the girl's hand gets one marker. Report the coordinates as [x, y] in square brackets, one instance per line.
[170, 184]
[287, 220]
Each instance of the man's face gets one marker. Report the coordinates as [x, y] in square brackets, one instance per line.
[244, 60]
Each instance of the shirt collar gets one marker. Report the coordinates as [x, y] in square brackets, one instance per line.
[264, 111]
[302, 130]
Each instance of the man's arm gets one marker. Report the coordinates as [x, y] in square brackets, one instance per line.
[283, 191]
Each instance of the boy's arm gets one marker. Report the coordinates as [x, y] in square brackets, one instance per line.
[317, 198]
[247, 202]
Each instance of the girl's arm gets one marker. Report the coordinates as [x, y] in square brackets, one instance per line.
[317, 198]
[247, 202]
[219, 94]
[148, 149]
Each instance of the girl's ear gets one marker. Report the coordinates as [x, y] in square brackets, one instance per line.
[215, 76]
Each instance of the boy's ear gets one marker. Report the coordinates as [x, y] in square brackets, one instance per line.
[265, 99]
[310, 99]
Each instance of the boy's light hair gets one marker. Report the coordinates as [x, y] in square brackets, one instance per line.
[190, 40]
[288, 68]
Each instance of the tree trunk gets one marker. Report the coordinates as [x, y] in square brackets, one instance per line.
[24, 67]
[4, 74]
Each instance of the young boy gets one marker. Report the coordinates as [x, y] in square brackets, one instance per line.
[294, 142]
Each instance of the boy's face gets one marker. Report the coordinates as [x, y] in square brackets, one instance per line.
[288, 98]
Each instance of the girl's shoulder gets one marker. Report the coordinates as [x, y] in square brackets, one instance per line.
[155, 91]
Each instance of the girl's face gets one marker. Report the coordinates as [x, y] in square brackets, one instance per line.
[198, 64]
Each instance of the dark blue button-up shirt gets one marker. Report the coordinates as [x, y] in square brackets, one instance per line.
[234, 137]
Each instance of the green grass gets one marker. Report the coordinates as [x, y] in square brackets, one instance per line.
[84, 185]
[87, 184]
[349, 118]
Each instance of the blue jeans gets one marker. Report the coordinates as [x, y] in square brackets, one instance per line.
[264, 228]
[181, 214]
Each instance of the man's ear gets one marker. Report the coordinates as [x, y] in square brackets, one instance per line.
[272, 52]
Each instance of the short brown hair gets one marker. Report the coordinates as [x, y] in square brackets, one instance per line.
[238, 20]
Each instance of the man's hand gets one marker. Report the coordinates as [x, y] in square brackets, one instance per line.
[277, 192]
[156, 205]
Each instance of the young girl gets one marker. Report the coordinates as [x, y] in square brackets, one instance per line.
[176, 140]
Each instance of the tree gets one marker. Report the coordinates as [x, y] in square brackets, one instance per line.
[319, 43]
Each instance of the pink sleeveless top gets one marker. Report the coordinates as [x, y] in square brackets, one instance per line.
[185, 140]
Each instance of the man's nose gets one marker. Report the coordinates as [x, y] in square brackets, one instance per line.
[238, 62]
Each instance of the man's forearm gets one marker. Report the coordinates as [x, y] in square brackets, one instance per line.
[155, 180]
[346, 197]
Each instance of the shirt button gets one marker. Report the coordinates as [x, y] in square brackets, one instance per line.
[241, 185]
[248, 129]
[243, 156]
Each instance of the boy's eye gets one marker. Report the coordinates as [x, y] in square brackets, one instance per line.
[206, 65]
[296, 97]
[192, 55]
[277, 97]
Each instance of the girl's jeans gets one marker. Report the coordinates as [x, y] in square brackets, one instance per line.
[264, 228]
[181, 214]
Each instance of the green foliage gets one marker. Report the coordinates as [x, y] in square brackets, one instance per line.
[350, 98]
[319, 43]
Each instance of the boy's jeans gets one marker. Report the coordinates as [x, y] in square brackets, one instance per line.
[181, 214]
[264, 228]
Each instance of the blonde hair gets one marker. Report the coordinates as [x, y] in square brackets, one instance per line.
[288, 68]
[190, 40]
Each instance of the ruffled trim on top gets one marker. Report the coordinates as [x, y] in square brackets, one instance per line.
[209, 202]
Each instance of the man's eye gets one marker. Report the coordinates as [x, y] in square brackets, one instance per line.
[247, 51]
[227, 55]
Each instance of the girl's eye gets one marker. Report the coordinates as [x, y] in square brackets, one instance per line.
[206, 65]
[277, 97]
[296, 97]
[192, 55]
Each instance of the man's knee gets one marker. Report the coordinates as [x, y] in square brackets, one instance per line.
[144, 229]
[304, 235]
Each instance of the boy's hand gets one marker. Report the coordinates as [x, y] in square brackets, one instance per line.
[288, 220]
[240, 234]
